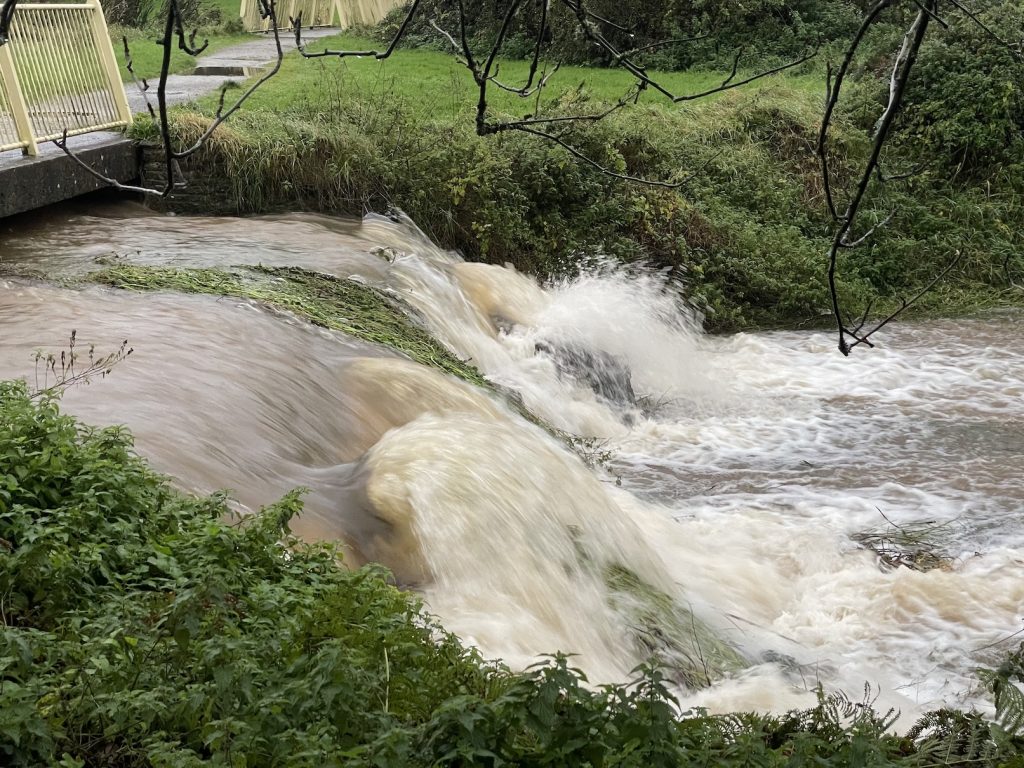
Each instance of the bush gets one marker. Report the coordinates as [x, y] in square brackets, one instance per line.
[964, 108]
[141, 629]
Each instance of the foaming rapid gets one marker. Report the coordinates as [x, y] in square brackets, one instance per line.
[734, 473]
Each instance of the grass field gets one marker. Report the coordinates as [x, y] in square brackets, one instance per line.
[218, 23]
[435, 84]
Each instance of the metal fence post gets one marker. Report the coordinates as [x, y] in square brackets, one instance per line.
[105, 49]
[16, 99]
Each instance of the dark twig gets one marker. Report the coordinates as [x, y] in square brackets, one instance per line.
[1014, 50]
[901, 74]
[6, 19]
[833, 87]
[537, 48]
[867, 235]
[62, 145]
[174, 28]
[905, 304]
[143, 86]
[729, 84]
[526, 92]
[269, 12]
[297, 23]
[663, 43]
[607, 22]
[917, 170]
[579, 155]
[932, 13]
[735, 67]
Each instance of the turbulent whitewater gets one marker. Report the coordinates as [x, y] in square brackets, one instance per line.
[718, 525]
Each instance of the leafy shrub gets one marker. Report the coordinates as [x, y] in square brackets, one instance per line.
[964, 107]
[140, 628]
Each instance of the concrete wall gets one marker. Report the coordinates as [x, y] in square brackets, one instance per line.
[30, 183]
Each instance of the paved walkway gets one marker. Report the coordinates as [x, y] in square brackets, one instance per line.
[32, 182]
[234, 63]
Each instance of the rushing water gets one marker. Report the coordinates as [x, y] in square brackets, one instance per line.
[735, 482]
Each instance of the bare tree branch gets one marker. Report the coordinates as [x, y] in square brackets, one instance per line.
[905, 304]
[174, 28]
[902, 68]
[663, 43]
[6, 18]
[143, 86]
[297, 23]
[1015, 50]
[867, 235]
[833, 87]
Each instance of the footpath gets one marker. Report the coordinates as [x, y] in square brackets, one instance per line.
[27, 183]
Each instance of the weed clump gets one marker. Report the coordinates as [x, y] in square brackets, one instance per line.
[917, 546]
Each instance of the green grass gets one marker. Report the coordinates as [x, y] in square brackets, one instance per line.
[218, 22]
[436, 85]
[147, 54]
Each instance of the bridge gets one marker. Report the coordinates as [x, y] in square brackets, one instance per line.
[59, 77]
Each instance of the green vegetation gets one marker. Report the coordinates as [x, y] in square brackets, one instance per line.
[666, 631]
[147, 55]
[747, 233]
[141, 22]
[342, 305]
[769, 31]
[142, 628]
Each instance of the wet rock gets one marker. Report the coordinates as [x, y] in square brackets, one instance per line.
[607, 377]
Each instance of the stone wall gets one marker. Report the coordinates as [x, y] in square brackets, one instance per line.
[203, 187]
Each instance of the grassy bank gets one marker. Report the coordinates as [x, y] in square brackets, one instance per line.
[140, 628]
[748, 233]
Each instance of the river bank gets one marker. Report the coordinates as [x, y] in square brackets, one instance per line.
[747, 235]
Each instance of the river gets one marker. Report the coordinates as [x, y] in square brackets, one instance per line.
[738, 481]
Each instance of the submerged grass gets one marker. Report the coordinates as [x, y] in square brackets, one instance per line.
[331, 302]
[691, 652]
[919, 546]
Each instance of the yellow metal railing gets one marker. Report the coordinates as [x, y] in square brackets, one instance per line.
[318, 13]
[58, 75]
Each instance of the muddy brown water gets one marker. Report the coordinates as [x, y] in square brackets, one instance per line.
[736, 484]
